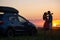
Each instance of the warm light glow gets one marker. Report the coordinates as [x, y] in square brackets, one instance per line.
[54, 25]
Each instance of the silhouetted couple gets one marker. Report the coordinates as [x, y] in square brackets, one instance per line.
[47, 17]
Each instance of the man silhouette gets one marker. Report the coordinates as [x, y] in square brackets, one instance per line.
[50, 19]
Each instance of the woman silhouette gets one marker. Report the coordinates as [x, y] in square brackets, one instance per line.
[46, 24]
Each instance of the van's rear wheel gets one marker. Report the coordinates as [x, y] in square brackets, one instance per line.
[10, 33]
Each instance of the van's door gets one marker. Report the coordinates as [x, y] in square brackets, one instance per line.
[15, 23]
[23, 22]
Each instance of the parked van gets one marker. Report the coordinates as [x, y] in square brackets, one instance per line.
[12, 23]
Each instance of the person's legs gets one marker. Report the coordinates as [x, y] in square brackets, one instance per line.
[46, 26]
[50, 26]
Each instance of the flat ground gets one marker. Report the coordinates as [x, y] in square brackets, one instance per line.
[48, 35]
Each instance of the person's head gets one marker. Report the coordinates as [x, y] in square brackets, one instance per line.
[49, 12]
[45, 13]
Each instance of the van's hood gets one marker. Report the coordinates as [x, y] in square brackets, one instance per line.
[31, 24]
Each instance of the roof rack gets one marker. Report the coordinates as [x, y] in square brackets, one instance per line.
[8, 9]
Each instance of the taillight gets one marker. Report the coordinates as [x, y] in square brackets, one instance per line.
[1, 22]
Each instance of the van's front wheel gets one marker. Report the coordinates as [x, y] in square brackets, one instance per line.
[33, 32]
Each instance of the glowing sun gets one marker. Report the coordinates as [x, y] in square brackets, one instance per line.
[54, 24]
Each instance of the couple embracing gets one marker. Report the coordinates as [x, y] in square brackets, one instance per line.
[47, 17]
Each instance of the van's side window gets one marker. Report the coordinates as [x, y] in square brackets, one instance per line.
[12, 19]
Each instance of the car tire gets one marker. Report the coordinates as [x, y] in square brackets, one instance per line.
[33, 33]
[10, 33]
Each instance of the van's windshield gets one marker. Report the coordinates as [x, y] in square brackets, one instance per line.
[22, 19]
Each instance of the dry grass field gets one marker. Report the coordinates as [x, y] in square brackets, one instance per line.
[48, 35]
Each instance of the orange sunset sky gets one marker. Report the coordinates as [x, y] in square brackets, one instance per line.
[34, 9]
